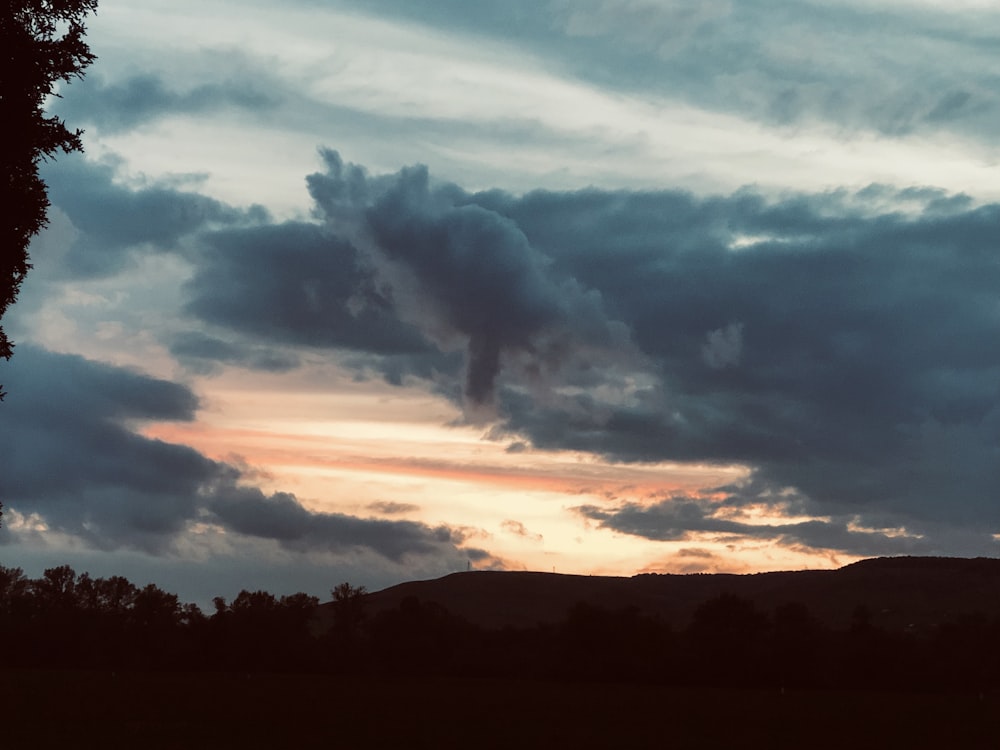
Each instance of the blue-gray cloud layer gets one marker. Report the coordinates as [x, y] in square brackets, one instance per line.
[890, 68]
[843, 351]
[72, 458]
[882, 69]
[461, 271]
[294, 282]
[142, 98]
[115, 221]
[835, 343]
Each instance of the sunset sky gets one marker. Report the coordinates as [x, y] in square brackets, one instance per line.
[387, 290]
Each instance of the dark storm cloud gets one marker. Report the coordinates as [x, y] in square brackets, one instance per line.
[684, 519]
[835, 347]
[73, 459]
[113, 107]
[61, 387]
[861, 364]
[115, 220]
[840, 344]
[461, 271]
[70, 456]
[281, 517]
[295, 283]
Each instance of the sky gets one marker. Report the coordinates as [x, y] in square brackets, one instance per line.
[385, 291]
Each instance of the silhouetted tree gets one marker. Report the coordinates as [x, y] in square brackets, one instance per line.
[421, 638]
[348, 609]
[113, 596]
[344, 637]
[55, 616]
[727, 638]
[603, 644]
[41, 43]
[258, 631]
[798, 646]
[14, 600]
[155, 627]
[56, 589]
[964, 653]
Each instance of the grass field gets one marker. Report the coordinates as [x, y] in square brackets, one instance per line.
[151, 711]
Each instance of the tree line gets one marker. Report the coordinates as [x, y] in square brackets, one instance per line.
[64, 620]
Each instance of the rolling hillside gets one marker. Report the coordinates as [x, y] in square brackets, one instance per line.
[902, 592]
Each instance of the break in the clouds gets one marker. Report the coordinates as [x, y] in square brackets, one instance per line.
[76, 465]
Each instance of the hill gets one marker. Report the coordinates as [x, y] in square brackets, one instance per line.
[899, 592]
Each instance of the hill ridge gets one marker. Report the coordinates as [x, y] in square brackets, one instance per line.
[901, 592]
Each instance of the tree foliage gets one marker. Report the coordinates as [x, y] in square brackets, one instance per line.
[62, 620]
[41, 44]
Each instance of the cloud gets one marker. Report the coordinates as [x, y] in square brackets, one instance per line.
[616, 323]
[688, 519]
[841, 345]
[281, 517]
[138, 99]
[390, 508]
[202, 353]
[731, 520]
[874, 339]
[660, 26]
[295, 283]
[116, 221]
[71, 457]
[846, 66]
[519, 529]
[591, 320]
[75, 466]
[736, 518]
[723, 347]
[463, 273]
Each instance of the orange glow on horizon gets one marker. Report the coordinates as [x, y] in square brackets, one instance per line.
[358, 448]
[480, 463]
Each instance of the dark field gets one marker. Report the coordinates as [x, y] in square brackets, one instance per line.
[144, 710]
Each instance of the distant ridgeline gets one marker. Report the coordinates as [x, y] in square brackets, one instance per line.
[897, 623]
[915, 593]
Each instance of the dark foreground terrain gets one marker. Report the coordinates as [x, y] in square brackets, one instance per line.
[915, 593]
[882, 654]
[87, 709]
